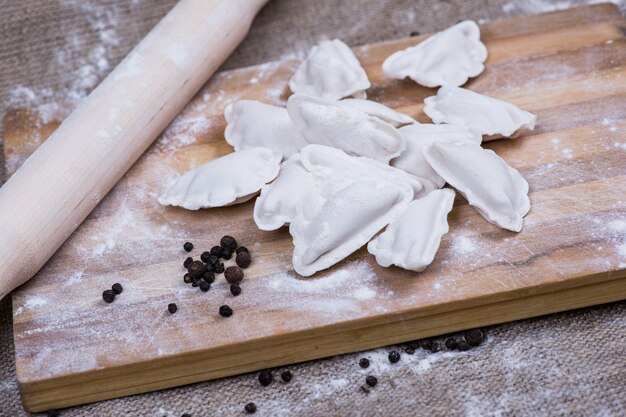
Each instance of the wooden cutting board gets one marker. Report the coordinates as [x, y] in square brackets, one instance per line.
[568, 67]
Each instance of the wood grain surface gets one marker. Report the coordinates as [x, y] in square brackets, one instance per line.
[72, 348]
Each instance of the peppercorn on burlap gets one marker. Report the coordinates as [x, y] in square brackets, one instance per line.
[570, 364]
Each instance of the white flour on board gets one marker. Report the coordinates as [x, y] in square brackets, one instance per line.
[543, 6]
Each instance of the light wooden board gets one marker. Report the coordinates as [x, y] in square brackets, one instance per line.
[567, 67]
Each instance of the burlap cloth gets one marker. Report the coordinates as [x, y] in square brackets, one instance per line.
[570, 364]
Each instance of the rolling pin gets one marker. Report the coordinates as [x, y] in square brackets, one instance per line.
[67, 176]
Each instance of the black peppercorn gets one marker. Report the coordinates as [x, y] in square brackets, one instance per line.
[463, 346]
[286, 376]
[266, 378]
[218, 268]
[235, 289]
[241, 249]
[474, 337]
[117, 288]
[188, 262]
[243, 259]
[208, 267]
[371, 381]
[394, 357]
[196, 269]
[233, 275]
[250, 408]
[226, 311]
[187, 278]
[434, 348]
[364, 363]
[414, 33]
[188, 246]
[216, 251]
[409, 350]
[426, 343]
[451, 343]
[172, 307]
[226, 254]
[213, 259]
[228, 242]
[195, 283]
[204, 286]
[108, 296]
[209, 277]
[205, 256]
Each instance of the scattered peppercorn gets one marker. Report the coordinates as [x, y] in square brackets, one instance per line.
[216, 251]
[474, 337]
[371, 381]
[409, 350]
[434, 348]
[196, 269]
[188, 262]
[208, 267]
[250, 408]
[172, 308]
[108, 296]
[394, 356]
[187, 278]
[228, 242]
[209, 277]
[286, 376]
[463, 346]
[226, 254]
[266, 378]
[195, 283]
[426, 343]
[451, 343]
[188, 246]
[117, 288]
[226, 311]
[205, 257]
[218, 268]
[364, 363]
[233, 275]
[241, 249]
[243, 259]
[204, 286]
[235, 289]
[414, 33]
[213, 259]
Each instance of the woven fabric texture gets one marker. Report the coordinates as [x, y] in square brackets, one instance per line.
[568, 364]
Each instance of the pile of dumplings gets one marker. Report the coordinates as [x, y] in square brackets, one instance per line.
[339, 169]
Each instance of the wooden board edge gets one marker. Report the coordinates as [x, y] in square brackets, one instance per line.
[69, 393]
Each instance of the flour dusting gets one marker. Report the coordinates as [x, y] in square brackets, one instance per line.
[85, 71]
[463, 245]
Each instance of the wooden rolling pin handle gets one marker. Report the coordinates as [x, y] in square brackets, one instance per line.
[63, 181]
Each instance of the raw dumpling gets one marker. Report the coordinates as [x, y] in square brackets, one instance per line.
[331, 71]
[487, 115]
[447, 58]
[353, 131]
[336, 164]
[231, 179]
[420, 136]
[384, 113]
[498, 192]
[330, 226]
[412, 240]
[276, 206]
[252, 123]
